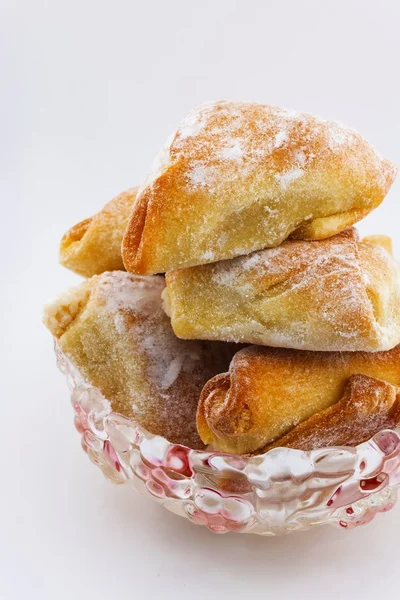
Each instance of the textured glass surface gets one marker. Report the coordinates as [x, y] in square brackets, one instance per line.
[275, 493]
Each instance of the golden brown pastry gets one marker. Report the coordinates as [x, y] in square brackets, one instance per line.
[333, 294]
[380, 240]
[113, 329]
[94, 245]
[238, 177]
[368, 406]
[268, 391]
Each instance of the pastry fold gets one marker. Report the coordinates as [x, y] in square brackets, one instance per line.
[94, 245]
[368, 406]
[238, 177]
[331, 295]
[269, 391]
[113, 329]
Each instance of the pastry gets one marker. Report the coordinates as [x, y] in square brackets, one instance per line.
[380, 240]
[238, 177]
[368, 406]
[333, 295]
[94, 245]
[113, 329]
[269, 391]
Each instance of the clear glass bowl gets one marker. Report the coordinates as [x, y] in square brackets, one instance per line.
[275, 493]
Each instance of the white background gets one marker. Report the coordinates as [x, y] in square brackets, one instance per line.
[89, 92]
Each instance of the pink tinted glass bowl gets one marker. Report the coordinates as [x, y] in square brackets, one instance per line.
[275, 493]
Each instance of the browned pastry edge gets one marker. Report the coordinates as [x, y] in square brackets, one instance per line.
[338, 294]
[368, 406]
[202, 204]
[270, 391]
[93, 245]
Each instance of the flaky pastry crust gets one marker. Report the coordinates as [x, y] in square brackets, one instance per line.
[330, 295]
[238, 177]
[113, 329]
[94, 245]
[269, 391]
[368, 406]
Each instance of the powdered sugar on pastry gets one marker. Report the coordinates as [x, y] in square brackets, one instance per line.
[286, 178]
[119, 293]
[238, 177]
[135, 304]
[334, 294]
[247, 135]
[114, 330]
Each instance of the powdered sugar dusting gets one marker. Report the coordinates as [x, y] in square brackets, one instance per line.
[251, 136]
[191, 125]
[301, 158]
[303, 262]
[195, 121]
[306, 295]
[338, 135]
[285, 179]
[236, 166]
[123, 343]
[135, 305]
[119, 292]
[208, 256]
[280, 138]
[202, 176]
[233, 152]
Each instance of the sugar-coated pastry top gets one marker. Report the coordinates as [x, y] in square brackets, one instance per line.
[269, 391]
[333, 294]
[238, 177]
[113, 329]
[94, 245]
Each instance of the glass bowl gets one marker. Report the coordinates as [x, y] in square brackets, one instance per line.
[275, 493]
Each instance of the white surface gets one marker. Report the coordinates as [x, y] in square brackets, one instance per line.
[90, 91]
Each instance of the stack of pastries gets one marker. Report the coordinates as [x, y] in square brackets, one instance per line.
[228, 301]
